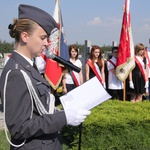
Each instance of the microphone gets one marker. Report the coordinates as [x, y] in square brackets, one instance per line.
[67, 64]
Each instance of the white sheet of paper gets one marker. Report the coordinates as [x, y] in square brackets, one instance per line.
[86, 96]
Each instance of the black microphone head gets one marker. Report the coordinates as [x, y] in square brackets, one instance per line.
[50, 54]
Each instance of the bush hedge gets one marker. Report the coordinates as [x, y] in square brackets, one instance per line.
[113, 125]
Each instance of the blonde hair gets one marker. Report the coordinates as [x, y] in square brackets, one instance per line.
[139, 47]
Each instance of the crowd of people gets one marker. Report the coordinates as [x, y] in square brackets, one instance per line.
[105, 70]
[137, 88]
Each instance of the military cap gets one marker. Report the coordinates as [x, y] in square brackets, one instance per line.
[45, 20]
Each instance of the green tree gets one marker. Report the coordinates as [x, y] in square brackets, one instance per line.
[6, 47]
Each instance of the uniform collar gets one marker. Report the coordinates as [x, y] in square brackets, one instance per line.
[29, 60]
[25, 65]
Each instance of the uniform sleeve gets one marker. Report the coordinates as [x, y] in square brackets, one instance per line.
[18, 111]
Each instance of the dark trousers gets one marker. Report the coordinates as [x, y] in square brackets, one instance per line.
[70, 87]
[116, 94]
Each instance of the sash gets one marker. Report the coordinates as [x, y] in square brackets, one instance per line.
[146, 53]
[9, 55]
[75, 79]
[94, 70]
[43, 56]
[112, 63]
[141, 68]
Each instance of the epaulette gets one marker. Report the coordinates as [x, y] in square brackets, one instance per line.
[16, 66]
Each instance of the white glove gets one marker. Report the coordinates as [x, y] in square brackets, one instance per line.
[146, 84]
[147, 91]
[131, 85]
[75, 117]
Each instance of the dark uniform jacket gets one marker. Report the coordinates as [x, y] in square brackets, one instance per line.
[40, 132]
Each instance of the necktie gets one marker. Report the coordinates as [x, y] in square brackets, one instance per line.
[34, 65]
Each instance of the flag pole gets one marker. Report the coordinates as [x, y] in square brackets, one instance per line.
[60, 26]
[124, 90]
[125, 60]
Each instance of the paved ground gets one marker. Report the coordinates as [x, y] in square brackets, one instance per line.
[1, 120]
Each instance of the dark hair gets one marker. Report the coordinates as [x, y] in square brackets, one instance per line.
[75, 48]
[94, 47]
[114, 48]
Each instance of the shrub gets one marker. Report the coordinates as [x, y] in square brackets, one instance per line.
[114, 125]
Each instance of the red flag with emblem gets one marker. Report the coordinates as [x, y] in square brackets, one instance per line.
[53, 70]
[125, 60]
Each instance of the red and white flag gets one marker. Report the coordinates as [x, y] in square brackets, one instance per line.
[63, 48]
[53, 70]
[125, 60]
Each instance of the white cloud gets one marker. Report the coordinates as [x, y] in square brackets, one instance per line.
[95, 22]
[107, 22]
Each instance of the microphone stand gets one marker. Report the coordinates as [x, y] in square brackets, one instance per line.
[80, 136]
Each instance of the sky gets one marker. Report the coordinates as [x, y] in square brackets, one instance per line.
[98, 21]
